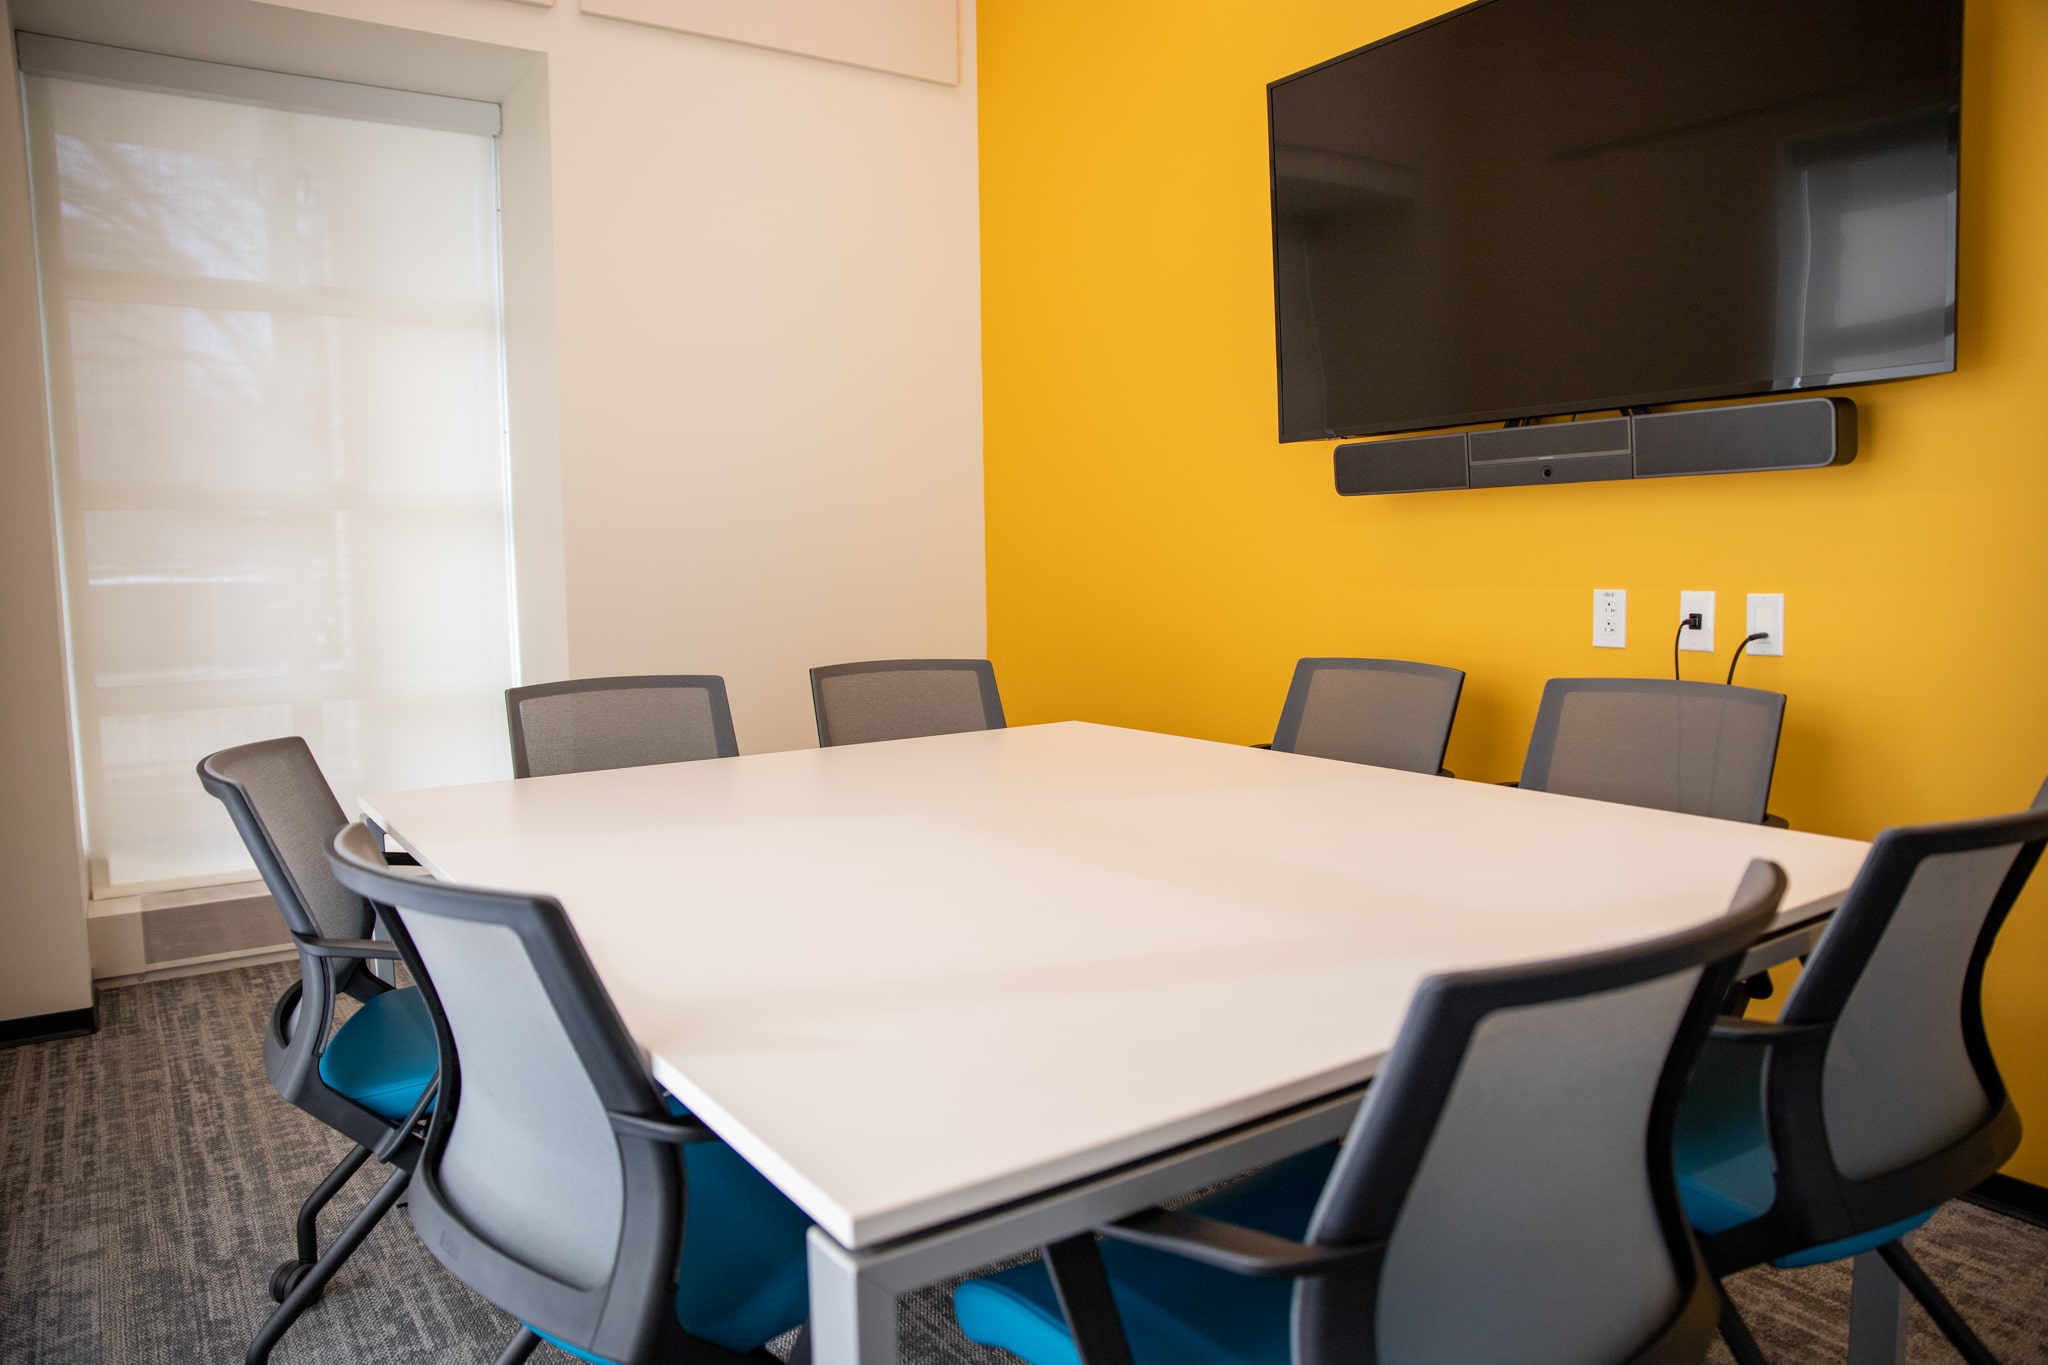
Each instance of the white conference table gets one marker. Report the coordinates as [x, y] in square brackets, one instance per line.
[962, 996]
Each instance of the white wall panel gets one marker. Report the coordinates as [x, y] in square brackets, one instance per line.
[918, 38]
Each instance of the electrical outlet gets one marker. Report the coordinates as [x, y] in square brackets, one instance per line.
[1767, 613]
[1610, 618]
[1700, 641]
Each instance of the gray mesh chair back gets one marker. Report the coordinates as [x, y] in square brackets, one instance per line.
[903, 699]
[1697, 748]
[286, 814]
[1513, 1156]
[1881, 1093]
[591, 723]
[532, 1188]
[1386, 712]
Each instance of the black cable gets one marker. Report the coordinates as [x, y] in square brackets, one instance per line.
[1747, 640]
[1692, 620]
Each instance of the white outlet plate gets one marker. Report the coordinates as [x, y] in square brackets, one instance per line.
[1699, 641]
[1767, 613]
[1610, 618]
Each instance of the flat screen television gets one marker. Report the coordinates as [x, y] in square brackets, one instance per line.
[1534, 207]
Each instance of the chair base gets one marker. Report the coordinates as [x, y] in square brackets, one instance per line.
[1735, 1332]
[314, 1282]
[519, 1348]
[307, 1229]
[1951, 1323]
[1967, 1344]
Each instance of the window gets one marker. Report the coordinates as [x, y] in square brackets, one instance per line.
[271, 312]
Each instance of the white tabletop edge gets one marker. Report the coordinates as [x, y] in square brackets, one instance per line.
[856, 1234]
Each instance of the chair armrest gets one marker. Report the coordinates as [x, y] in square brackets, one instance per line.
[348, 947]
[1729, 1028]
[676, 1130]
[1776, 821]
[1227, 1246]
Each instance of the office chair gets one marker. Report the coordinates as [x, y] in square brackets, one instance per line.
[371, 1079]
[1697, 748]
[591, 723]
[904, 698]
[1874, 1098]
[1504, 1194]
[1385, 712]
[555, 1181]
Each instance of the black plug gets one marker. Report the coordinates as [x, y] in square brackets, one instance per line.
[1692, 620]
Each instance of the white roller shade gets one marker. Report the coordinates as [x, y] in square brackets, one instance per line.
[275, 358]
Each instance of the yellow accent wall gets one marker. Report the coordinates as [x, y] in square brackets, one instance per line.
[1156, 558]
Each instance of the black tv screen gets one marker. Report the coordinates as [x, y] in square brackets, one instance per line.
[1535, 207]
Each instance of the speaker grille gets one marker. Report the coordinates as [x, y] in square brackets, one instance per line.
[1418, 464]
[1803, 433]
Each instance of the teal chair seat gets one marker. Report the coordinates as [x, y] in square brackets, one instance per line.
[742, 1282]
[1723, 1153]
[1175, 1311]
[384, 1054]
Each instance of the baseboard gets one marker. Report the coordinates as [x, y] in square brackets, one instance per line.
[2013, 1197]
[44, 1028]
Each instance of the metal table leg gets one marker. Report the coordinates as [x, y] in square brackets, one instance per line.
[853, 1314]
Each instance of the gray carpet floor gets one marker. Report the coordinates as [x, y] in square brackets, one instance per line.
[148, 1176]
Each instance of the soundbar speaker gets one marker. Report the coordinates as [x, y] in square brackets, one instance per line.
[1799, 433]
[1794, 433]
[1413, 464]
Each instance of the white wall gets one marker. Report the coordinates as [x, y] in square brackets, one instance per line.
[743, 315]
[43, 962]
[758, 283]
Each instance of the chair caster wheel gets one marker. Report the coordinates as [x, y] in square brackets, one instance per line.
[286, 1277]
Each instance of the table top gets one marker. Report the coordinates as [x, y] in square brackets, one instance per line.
[913, 980]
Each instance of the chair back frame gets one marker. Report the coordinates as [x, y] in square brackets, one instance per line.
[983, 671]
[1336, 1313]
[724, 739]
[1537, 762]
[630, 1316]
[1294, 710]
[302, 1020]
[1817, 1203]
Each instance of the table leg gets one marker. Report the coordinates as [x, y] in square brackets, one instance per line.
[853, 1314]
[1877, 1313]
